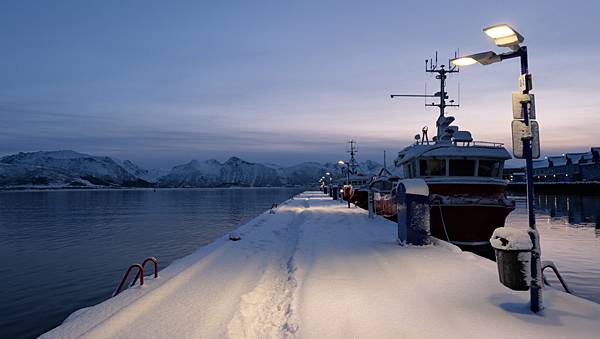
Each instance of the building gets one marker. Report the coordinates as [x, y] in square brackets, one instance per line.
[569, 167]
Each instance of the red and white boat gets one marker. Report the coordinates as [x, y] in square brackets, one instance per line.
[466, 190]
[384, 195]
[357, 190]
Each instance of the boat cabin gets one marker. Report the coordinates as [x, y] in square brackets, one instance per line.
[450, 160]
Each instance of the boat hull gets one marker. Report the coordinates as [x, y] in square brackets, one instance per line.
[360, 198]
[469, 225]
[464, 214]
[385, 204]
[468, 213]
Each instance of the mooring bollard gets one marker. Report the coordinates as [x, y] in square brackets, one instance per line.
[413, 212]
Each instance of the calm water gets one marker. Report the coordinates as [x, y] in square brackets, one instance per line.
[64, 250]
[569, 228]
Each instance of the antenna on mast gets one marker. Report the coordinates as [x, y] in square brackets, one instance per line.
[352, 164]
[441, 74]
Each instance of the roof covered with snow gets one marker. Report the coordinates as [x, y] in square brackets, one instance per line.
[451, 150]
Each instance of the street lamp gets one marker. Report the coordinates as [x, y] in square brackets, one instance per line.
[504, 36]
[343, 164]
[525, 131]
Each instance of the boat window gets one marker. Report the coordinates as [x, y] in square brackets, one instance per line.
[387, 186]
[462, 168]
[432, 167]
[489, 168]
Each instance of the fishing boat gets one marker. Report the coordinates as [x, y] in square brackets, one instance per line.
[466, 190]
[383, 188]
[355, 188]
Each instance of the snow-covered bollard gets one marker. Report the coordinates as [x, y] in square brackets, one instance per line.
[234, 236]
[413, 212]
[513, 257]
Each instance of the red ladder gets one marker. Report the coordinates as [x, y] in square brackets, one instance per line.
[140, 274]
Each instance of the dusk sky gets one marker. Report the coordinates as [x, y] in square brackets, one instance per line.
[163, 82]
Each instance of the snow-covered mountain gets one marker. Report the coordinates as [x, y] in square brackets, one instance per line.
[50, 169]
[64, 169]
[212, 173]
[150, 175]
[237, 172]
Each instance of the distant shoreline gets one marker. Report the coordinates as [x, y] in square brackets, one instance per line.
[46, 189]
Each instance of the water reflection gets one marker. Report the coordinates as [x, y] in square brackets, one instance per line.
[576, 210]
[569, 236]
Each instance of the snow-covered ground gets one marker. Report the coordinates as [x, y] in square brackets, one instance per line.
[316, 269]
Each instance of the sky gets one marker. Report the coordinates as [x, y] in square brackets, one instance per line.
[164, 82]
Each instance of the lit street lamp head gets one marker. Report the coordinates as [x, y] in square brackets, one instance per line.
[484, 58]
[504, 36]
[341, 163]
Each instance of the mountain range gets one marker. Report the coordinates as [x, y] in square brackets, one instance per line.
[70, 169]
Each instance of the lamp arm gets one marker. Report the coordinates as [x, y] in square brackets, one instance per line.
[521, 52]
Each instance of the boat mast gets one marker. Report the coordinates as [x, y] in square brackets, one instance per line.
[352, 164]
[432, 67]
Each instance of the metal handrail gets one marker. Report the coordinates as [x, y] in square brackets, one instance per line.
[155, 261]
[124, 280]
[546, 264]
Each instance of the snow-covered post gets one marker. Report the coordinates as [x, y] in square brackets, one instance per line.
[413, 212]
[370, 202]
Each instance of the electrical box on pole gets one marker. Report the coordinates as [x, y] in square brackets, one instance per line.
[525, 83]
[518, 99]
[521, 131]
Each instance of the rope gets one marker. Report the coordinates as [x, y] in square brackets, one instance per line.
[443, 223]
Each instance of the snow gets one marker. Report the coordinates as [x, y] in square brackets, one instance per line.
[316, 269]
[62, 169]
[511, 239]
[450, 150]
[415, 186]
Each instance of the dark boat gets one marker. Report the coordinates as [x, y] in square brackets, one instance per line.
[358, 191]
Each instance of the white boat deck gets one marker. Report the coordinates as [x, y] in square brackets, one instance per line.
[316, 269]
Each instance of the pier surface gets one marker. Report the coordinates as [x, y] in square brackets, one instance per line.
[316, 269]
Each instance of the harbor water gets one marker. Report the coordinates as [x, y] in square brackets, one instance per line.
[64, 250]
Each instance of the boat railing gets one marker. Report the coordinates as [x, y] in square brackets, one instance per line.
[476, 143]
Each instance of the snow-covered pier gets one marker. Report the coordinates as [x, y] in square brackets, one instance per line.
[316, 269]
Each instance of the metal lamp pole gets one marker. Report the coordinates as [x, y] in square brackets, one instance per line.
[536, 262]
[505, 36]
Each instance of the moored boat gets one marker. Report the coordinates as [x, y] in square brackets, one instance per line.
[466, 191]
[355, 188]
[383, 188]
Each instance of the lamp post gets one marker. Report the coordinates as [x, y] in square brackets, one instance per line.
[342, 163]
[505, 36]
